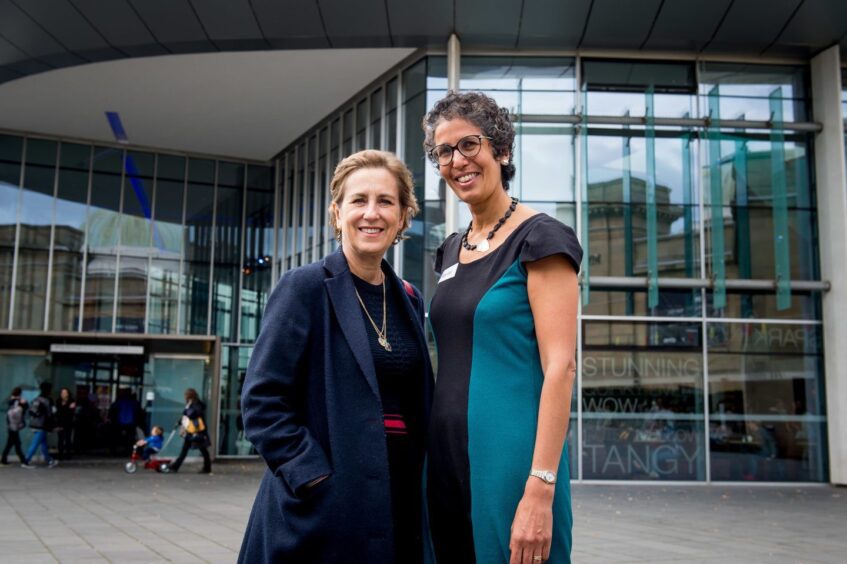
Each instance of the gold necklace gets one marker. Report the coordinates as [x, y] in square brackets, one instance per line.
[382, 334]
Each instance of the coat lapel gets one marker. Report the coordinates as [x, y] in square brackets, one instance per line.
[342, 295]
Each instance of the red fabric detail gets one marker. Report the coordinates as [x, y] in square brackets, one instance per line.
[409, 289]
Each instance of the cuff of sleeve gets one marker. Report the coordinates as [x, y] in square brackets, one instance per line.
[308, 466]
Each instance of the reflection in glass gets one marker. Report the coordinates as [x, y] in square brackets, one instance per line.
[232, 441]
[227, 250]
[642, 401]
[199, 216]
[258, 248]
[34, 238]
[167, 249]
[102, 239]
[136, 230]
[745, 90]
[168, 379]
[362, 125]
[545, 167]
[765, 399]
[11, 149]
[69, 237]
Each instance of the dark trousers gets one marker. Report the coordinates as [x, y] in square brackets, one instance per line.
[65, 444]
[13, 439]
[186, 446]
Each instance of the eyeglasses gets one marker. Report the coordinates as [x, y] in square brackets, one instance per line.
[469, 146]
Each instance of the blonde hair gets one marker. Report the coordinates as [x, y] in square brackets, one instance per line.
[370, 158]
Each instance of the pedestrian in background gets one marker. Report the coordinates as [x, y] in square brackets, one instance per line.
[15, 421]
[42, 420]
[65, 414]
[193, 424]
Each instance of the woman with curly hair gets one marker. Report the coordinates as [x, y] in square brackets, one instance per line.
[504, 320]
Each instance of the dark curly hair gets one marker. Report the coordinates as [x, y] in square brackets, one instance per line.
[482, 111]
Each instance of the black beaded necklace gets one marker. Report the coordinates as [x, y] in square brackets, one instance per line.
[483, 245]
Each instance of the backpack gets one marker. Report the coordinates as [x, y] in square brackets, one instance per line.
[39, 413]
[15, 417]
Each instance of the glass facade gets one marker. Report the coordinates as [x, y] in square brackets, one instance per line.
[106, 240]
[103, 239]
[694, 199]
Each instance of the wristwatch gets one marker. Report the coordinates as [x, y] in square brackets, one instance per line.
[546, 476]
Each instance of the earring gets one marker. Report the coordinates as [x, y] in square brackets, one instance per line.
[505, 162]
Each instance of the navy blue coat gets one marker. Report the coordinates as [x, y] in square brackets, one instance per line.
[311, 408]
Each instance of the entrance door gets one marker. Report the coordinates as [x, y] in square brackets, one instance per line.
[107, 391]
[167, 380]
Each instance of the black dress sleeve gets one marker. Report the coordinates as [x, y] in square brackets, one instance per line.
[549, 237]
[439, 254]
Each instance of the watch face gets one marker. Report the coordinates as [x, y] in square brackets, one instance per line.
[549, 477]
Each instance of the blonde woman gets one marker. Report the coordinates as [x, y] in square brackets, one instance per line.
[338, 389]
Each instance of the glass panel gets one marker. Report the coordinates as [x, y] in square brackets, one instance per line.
[233, 369]
[136, 223]
[643, 401]
[617, 219]
[376, 119]
[168, 246]
[347, 147]
[744, 305]
[766, 419]
[528, 85]
[616, 88]
[672, 303]
[745, 90]
[34, 240]
[103, 225]
[413, 247]
[69, 237]
[361, 125]
[258, 248]
[227, 250]
[546, 169]
[168, 379]
[11, 149]
[747, 229]
[199, 212]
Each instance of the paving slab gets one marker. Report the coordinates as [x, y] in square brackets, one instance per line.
[92, 511]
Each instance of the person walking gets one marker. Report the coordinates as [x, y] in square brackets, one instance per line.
[193, 424]
[15, 421]
[42, 420]
[65, 415]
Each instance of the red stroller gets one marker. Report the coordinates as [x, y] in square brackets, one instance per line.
[153, 463]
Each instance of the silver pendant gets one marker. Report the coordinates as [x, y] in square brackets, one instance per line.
[385, 344]
[482, 246]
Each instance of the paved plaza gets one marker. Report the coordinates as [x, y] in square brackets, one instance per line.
[94, 512]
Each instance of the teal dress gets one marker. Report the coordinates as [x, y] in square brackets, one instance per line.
[487, 395]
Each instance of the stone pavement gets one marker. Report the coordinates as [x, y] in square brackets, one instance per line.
[94, 512]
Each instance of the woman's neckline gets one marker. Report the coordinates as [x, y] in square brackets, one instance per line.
[500, 246]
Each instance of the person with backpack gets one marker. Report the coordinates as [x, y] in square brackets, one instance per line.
[15, 421]
[41, 421]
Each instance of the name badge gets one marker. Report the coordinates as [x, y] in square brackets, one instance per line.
[448, 273]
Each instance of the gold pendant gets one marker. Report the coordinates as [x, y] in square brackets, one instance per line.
[385, 344]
